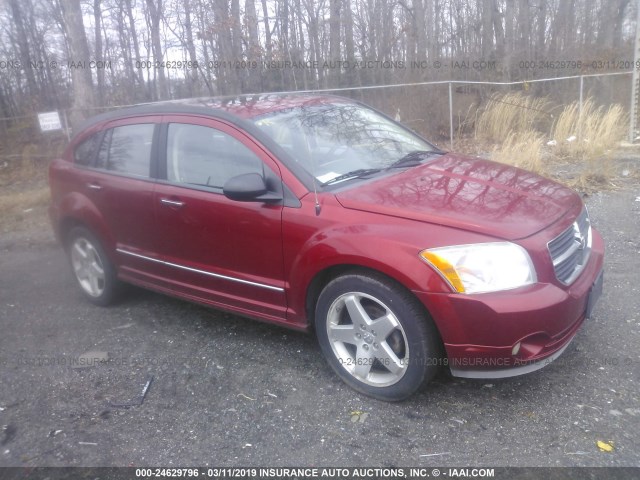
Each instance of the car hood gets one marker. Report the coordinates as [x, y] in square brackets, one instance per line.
[467, 193]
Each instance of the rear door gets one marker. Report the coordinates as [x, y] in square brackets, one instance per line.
[121, 184]
[224, 252]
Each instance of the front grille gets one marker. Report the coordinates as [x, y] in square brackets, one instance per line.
[570, 250]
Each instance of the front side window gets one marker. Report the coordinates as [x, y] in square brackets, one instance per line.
[127, 149]
[207, 157]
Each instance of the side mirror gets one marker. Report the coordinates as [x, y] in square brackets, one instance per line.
[249, 187]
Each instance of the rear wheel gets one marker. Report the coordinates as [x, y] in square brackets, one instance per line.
[376, 336]
[91, 266]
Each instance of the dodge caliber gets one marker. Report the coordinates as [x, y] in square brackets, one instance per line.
[319, 213]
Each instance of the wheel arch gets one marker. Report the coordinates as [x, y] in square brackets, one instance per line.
[76, 210]
[323, 277]
[66, 225]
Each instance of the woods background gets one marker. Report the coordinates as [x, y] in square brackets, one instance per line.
[84, 55]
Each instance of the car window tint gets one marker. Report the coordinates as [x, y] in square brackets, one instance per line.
[130, 149]
[85, 151]
[205, 156]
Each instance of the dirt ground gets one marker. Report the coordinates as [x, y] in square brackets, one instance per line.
[233, 392]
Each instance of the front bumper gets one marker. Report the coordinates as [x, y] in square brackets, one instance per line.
[511, 333]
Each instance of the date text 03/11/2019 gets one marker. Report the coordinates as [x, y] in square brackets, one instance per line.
[314, 472]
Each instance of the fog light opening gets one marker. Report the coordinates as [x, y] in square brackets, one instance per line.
[516, 349]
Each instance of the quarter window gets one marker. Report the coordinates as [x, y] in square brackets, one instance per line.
[85, 151]
[129, 149]
[103, 152]
[205, 156]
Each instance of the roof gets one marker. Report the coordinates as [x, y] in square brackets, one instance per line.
[251, 106]
[235, 109]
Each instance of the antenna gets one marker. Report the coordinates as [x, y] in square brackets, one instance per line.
[313, 174]
[315, 187]
[315, 193]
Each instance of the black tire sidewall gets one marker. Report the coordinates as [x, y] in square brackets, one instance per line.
[110, 282]
[422, 337]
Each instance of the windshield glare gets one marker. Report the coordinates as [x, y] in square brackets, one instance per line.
[330, 140]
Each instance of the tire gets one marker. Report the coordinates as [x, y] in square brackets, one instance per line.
[91, 267]
[391, 363]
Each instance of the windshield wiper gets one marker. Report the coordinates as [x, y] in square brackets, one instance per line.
[414, 158]
[361, 172]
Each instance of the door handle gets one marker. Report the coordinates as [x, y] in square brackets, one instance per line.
[94, 186]
[172, 203]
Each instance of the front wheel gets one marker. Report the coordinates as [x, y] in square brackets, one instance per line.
[92, 269]
[376, 336]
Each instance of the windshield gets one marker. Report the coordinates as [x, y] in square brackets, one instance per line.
[332, 140]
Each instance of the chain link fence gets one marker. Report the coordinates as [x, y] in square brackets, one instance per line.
[443, 111]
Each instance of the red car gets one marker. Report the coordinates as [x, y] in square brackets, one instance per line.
[320, 213]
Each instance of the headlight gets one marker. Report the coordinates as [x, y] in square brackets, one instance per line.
[482, 267]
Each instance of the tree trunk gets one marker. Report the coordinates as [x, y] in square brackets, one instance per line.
[334, 39]
[128, 84]
[97, 17]
[524, 21]
[236, 46]
[349, 46]
[136, 48]
[301, 44]
[155, 11]
[487, 28]
[498, 29]
[79, 52]
[268, 43]
[542, 27]
[422, 34]
[254, 52]
[194, 87]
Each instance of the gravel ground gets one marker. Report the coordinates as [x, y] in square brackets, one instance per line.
[229, 391]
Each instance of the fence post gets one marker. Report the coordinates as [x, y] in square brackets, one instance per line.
[450, 116]
[635, 80]
[580, 109]
[66, 124]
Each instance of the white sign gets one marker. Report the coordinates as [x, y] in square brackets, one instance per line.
[49, 121]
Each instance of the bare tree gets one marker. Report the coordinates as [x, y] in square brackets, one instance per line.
[22, 41]
[610, 29]
[219, 35]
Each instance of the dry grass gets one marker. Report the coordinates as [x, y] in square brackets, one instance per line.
[28, 166]
[24, 193]
[587, 138]
[591, 133]
[590, 137]
[16, 203]
[522, 149]
[512, 112]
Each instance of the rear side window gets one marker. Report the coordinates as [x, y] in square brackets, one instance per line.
[86, 150]
[127, 149]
